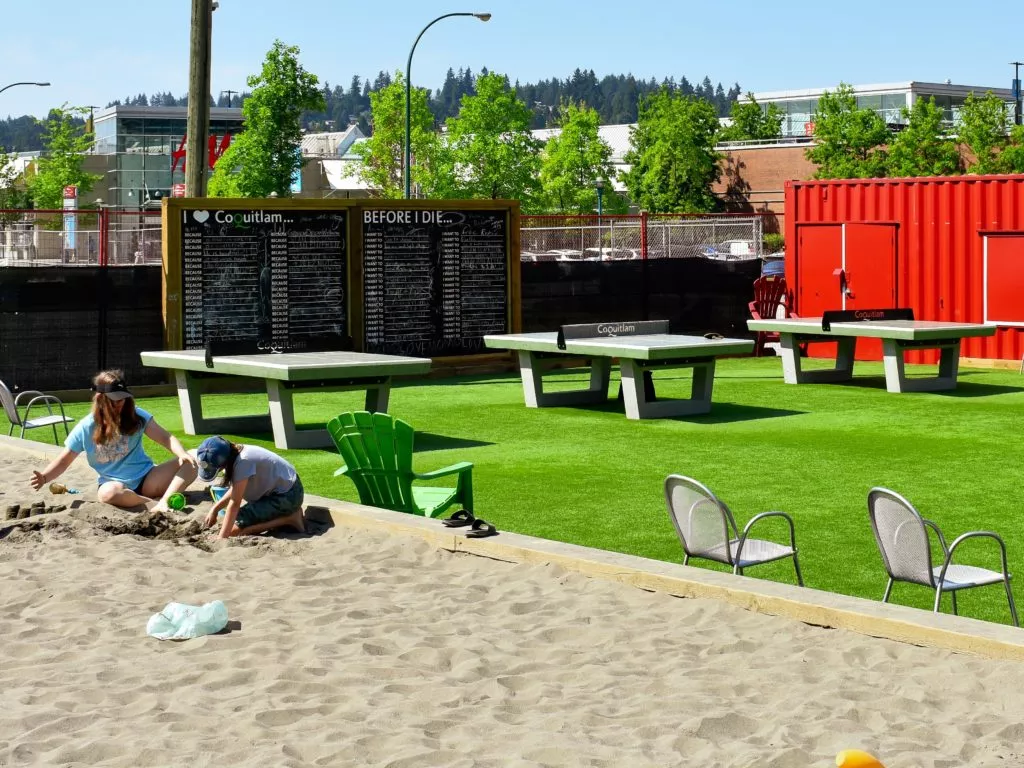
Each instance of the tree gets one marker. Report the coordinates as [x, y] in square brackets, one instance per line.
[672, 154]
[487, 151]
[65, 143]
[382, 154]
[12, 195]
[1012, 158]
[920, 149]
[982, 127]
[848, 142]
[265, 157]
[752, 122]
[573, 161]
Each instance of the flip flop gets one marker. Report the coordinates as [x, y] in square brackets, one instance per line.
[459, 519]
[481, 529]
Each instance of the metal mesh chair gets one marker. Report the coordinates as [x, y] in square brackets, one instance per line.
[902, 537]
[11, 404]
[707, 529]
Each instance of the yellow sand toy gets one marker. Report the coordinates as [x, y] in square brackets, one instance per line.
[854, 758]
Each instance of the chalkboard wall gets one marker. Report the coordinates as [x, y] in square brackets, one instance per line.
[269, 280]
[408, 277]
[434, 281]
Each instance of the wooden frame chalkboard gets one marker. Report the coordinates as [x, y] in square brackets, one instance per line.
[256, 275]
[412, 277]
[436, 276]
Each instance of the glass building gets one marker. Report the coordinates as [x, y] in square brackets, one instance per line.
[145, 151]
[887, 99]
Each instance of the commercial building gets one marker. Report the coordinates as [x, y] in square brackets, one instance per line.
[887, 99]
[141, 151]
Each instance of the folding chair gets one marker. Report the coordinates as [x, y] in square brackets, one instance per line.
[22, 418]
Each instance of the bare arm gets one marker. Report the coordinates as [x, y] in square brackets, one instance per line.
[234, 498]
[54, 469]
[159, 435]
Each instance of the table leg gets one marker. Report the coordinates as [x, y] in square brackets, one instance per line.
[531, 370]
[189, 397]
[190, 392]
[282, 421]
[792, 372]
[377, 397]
[895, 372]
[638, 406]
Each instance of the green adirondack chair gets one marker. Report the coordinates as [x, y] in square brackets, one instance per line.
[377, 450]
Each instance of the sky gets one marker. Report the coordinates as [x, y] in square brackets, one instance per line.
[93, 52]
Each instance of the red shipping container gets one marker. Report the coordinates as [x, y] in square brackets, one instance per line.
[951, 248]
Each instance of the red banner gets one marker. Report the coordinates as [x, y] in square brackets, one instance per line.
[214, 150]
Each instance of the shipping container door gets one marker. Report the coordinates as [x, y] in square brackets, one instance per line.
[819, 254]
[870, 275]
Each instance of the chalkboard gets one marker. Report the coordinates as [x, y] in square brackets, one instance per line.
[434, 281]
[264, 280]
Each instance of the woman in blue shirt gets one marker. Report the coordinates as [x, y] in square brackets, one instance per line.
[111, 438]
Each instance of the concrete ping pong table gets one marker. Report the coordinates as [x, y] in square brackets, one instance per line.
[641, 347]
[897, 335]
[285, 374]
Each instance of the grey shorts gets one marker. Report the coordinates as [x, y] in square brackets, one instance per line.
[271, 507]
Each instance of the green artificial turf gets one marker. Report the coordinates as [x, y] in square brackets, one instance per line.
[589, 476]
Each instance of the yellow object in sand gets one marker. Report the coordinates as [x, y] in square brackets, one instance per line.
[854, 758]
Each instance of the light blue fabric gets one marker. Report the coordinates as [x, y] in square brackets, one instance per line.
[178, 621]
[123, 460]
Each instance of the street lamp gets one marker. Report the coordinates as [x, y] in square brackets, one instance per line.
[408, 78]
[600, 195]
[1016, 91]
[42, 85]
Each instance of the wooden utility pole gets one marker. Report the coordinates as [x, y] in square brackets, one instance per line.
[198, 126]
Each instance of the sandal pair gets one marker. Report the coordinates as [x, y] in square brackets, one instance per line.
[478, 528]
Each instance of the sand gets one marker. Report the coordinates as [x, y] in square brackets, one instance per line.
[355, 648]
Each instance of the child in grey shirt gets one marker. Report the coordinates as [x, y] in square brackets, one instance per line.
[269, 486]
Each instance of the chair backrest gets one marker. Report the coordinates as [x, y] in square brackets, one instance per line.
[9, 408]
[377, 449]
[769, 295]
[704, 523]
[901, 537]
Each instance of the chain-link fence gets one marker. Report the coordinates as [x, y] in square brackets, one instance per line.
[32, 238]
[124, 238]
[723, 237]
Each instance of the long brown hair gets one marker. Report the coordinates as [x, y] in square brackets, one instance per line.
[108, 423]
[229, 468]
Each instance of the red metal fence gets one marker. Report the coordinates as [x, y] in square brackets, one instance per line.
[102, 237]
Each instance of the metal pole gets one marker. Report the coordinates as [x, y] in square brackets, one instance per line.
[408, 79]
[198, 125]
[1017, 97]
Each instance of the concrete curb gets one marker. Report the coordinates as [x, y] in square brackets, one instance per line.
[811, 606]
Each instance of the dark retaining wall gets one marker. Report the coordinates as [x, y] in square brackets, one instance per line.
[695, 295]
[59, 325]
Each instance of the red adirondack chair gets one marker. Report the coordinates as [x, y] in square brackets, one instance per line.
[769, 295]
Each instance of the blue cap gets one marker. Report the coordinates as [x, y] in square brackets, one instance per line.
[213, 455]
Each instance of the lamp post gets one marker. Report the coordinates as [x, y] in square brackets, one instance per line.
[42, 85]
[408, 78]
[1017, 96]
[600, 198]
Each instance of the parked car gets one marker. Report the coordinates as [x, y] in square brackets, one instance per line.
[612, 254]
